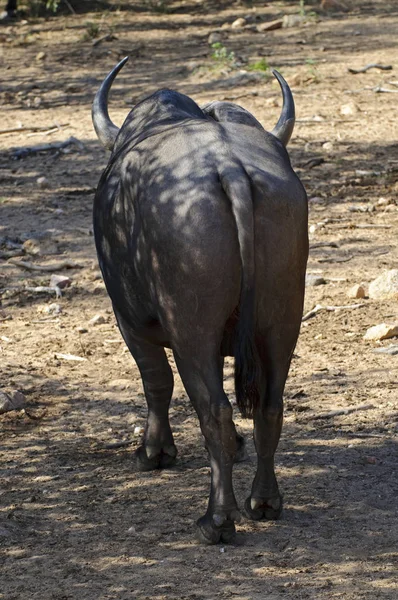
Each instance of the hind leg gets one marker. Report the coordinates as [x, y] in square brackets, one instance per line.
[203, 383]
[265, 501]
[158, 449]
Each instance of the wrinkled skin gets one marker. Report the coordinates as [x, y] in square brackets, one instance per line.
[171, 244]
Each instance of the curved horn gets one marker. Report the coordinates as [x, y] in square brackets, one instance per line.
[104, 128]
[284, 127]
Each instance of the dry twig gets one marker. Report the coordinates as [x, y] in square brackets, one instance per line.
[66, 264]
[319, 307]
[340, 411]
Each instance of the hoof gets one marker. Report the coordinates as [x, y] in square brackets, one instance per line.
[258, 510]
[150, 459]
[209, 533]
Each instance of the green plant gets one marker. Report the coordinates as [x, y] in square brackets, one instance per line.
[92, 30]
[52, 5]
[261, 65]
[221, 54]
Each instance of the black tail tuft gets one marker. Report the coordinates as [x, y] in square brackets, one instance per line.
[246, 360]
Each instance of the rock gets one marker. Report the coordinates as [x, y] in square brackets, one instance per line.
[239, 23]
[36, 247]
[314, 280]
[385, 201]
[392, 350]
[11, 400]
[42, 182]
[292, 20]
[82, 329]
[349, 109]
[334, 5]
[385, 286]
[270, 25]
[53, 309]
[40, 56]
[214, 38]
[60, 281]
[138, 430]
[97, 320]
[381, 332]
[328, 147]
[356, 291]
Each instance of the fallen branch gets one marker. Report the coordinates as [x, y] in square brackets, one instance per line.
[43, 289]
[370, 66]
[319, 307]
[340, 411]
[337, 259]
[69, 357]
[31, 128]
[25, 151]
[381, 90]
[324, 245]
[66, 264]
[108, 37]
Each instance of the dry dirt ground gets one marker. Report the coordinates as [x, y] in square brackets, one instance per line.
[76, 520]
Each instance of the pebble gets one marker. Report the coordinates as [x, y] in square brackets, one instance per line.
[239, 23]
[11, 400]
[43, 183]
[60, 281]
[40, 56]
[383, 331]
[349, 109]
[131, 530]
[292, 20]
[385, 286]
[97, 320]
[356, 291]
[328, 146]
[314, 280]
[214, 38]
[138, 430]
[53, 309]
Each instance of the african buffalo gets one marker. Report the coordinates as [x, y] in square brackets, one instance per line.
[201, 233]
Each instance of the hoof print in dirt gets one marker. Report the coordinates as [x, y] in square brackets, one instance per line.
[258, 510]
[149, 459]
[210, 533]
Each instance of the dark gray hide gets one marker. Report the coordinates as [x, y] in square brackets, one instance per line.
[201, 232]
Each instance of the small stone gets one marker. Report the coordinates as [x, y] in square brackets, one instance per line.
[97, 320]
[384, 201]
[333, 5]
[11, 400]
[371, 460]
[270, 25]
[239, 23]
[356, 291]
[214, 38]
[138, 431]
[391, 350]
[383, 331]
[314, 280]
[60, 281]
[32, 247]
[292, 21]
[40, 56]
[385, 286]
[81, 329]
[328, 147]
[53, 309]
[42, 182]
[36, 247]
[349, 109]
[131, 530]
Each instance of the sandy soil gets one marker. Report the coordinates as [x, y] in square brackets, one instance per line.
[76, 521]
